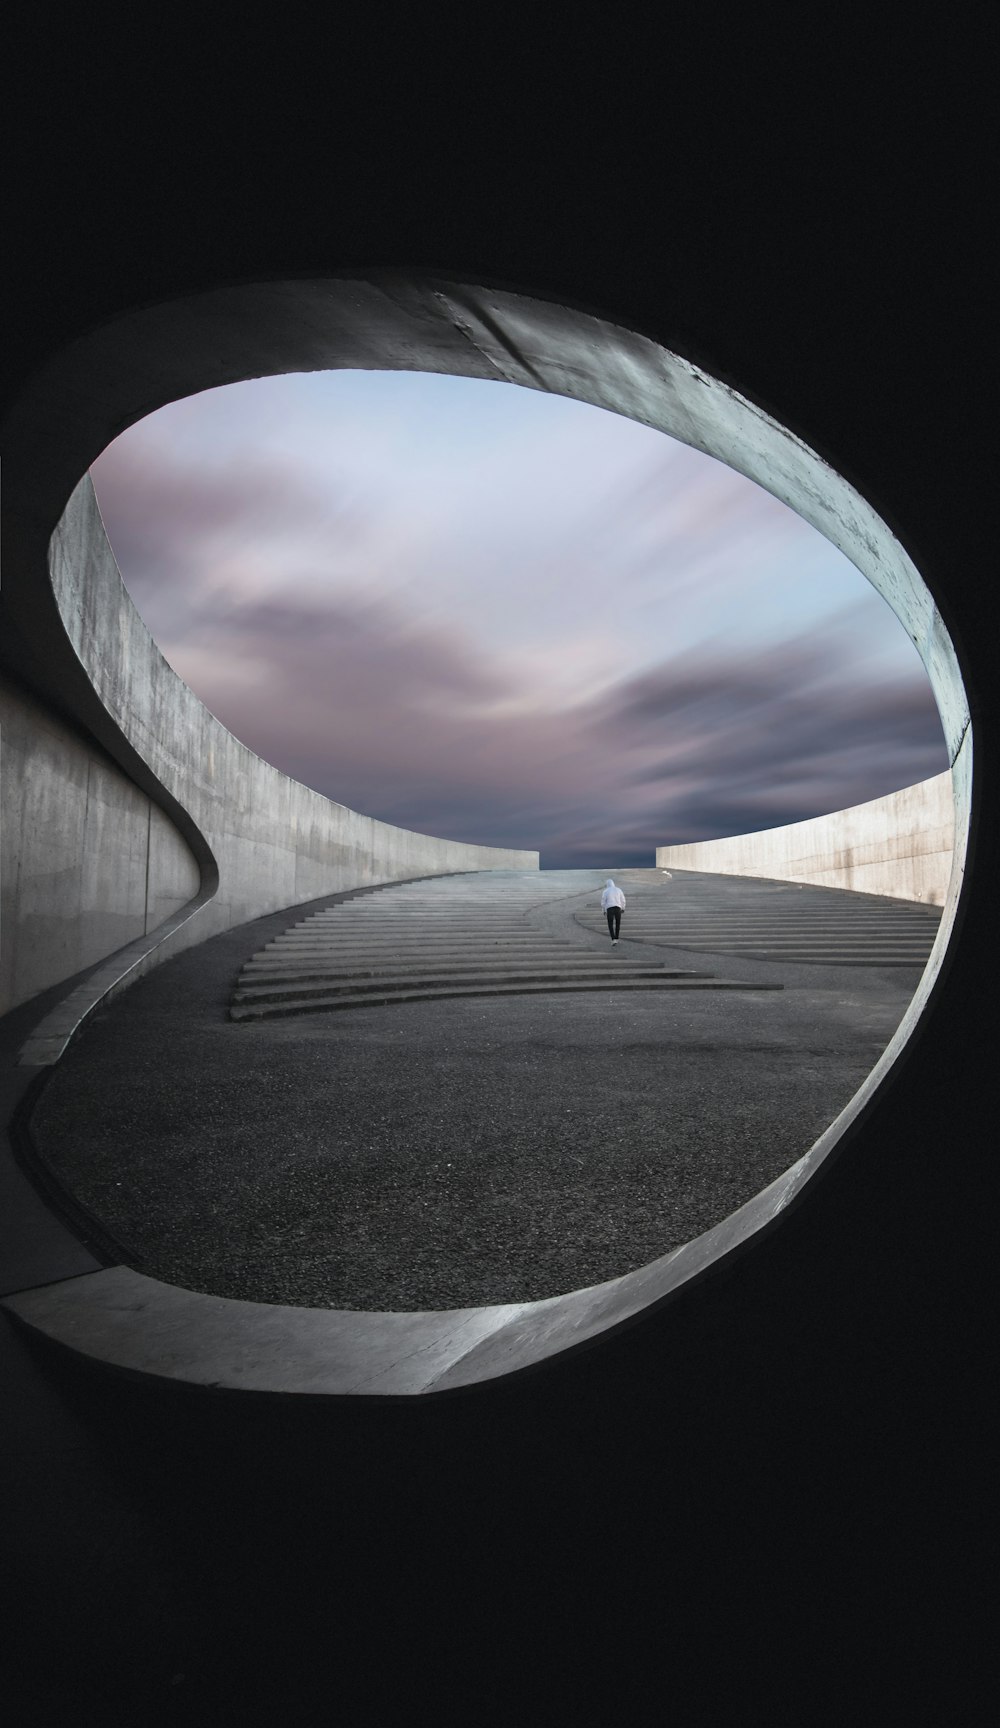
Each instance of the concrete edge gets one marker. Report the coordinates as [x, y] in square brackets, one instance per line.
[57, 1029]
[704, 412]
[122, 1320]
[54, 1033]
[900, 846]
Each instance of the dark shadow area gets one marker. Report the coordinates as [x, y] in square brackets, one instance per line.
[224, 1559]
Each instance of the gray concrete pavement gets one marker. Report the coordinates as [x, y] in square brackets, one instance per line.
[455, 1152]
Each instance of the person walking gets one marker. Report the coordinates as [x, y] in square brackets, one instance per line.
[613, 903]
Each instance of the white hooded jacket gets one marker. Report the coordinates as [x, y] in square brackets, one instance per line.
[612, 896]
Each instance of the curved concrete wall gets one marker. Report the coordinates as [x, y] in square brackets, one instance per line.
[900, 846]
[270, 842]
[763, 1499]
[92, 860]
[88, 862]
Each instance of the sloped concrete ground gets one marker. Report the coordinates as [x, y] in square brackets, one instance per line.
[454, 1152]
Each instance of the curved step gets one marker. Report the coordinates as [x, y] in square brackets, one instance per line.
[449, 940]
[774, 922]
[391, 978]
[381, 997]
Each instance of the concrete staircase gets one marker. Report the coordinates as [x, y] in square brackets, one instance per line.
[478, 935]
[778, 921]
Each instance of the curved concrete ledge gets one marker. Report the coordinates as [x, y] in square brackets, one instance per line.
[900, 846]
[89, 861]
[260, 841]
[273, 842]
[130, 1322]
[261, 827]
[142, 1326]
[60, 1025]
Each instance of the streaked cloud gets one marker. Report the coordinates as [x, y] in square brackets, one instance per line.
[479, 612]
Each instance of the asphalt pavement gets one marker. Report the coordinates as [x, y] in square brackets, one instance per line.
[447, 1153]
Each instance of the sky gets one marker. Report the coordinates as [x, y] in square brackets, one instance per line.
[497, 615]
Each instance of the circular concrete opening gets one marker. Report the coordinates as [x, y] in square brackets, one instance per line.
[116, 376]
[508, 617]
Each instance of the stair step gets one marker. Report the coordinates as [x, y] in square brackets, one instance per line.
[781, 947]
[265, 1011]
[792, 925]
[546, 965]
[363, 984]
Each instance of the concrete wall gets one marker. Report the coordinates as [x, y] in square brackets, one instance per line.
[87, 861]
[261, 841]
[901, 846]
[91, 860]
[765, 1497]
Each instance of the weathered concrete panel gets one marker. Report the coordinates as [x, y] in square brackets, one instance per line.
[87, 861]
[900, 846]
[173, 875]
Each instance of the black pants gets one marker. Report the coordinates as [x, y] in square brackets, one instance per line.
[614, 921]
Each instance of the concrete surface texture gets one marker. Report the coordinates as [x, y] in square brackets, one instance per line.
[262, 841]
[255, 839]
[88, 862]
[765, 1498]
[901, 845]
[444, 1153]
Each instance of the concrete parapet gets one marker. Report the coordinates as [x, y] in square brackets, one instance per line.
[900, 846]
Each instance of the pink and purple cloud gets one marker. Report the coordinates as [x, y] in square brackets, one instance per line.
[481, 612]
